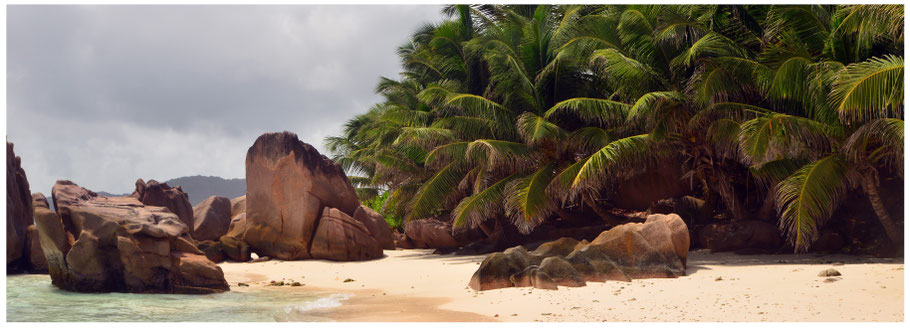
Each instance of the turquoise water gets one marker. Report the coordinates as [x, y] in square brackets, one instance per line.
[33, 298]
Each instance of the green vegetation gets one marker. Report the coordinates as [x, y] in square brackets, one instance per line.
[521, 114]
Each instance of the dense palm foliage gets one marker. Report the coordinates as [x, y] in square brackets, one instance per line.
[522, 113]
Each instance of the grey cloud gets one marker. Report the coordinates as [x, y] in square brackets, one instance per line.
[103, 95]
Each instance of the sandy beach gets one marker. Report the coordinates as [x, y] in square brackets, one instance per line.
[416, 285]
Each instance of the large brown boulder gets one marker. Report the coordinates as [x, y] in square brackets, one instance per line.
[377, 225]
[238, 206]
[19, 212]
[38, 200]
[212, 217]
[174, 199]
[341, 238]
[431, 233]
[561, 272]
[496, 271]
[235, 249]
[289, 186]
[642, 250]
[36, 261]
[657, 248]
[741, 236]
[679, 233]
[120, 245]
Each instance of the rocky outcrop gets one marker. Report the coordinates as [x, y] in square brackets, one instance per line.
[238, 206]
[339, 237]
[377, 226]
[291, 189]
[741, 236]
[212, 217]
[38, 200]
[174, 199]
[36, 261]
[19, 212]
[431, 233]
[120, 245]
[657, 248]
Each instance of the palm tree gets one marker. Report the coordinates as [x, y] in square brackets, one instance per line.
[525, 113]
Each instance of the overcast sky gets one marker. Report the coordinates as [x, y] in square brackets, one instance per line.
[103, 95]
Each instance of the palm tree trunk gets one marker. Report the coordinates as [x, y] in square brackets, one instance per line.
[728, 194]
[894, 233]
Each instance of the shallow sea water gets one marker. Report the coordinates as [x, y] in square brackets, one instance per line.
[33, 298]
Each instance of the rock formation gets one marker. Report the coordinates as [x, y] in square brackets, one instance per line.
[212, 218]
[657, 248]
[19, 212]
[339, 237]
[294, 204]
[377, 226]
[116, 244]
[38, 200]
[36, 261]
[174, 199]
[431, 233]
[238, 206]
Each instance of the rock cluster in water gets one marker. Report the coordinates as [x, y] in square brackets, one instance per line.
[657, 248]
[119, 244]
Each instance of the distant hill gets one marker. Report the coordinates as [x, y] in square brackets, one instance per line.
[198, 187]
[107, 194]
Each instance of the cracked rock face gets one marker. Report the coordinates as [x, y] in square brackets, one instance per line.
[117, 244]
[290, 190]
[18, 212]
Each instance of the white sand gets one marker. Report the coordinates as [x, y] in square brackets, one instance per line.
[416, 285]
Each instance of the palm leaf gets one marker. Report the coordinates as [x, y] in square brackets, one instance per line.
[535, 130]
[807, 198]
[481, 206]
[433, 192]
[602, 112]
[870, 89]
[527, 201]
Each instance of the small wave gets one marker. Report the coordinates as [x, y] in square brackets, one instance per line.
[296, 312]
[333, 300]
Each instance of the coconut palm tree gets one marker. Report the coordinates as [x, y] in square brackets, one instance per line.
[524, 113]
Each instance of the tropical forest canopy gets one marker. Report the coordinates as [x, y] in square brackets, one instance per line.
[517, 114]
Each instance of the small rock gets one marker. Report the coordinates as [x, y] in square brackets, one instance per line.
[718, 279]
[296, 284]
[348, 280]
[828, 273]
[242, 284]
[496, 316]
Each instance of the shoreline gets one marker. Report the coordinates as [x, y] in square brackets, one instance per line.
[416, 285]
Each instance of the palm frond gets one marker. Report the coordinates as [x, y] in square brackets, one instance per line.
[527, 202]
[434, 191]
[807, 198]
[870, 89]
[602, 112]
[535, 130]
[877, 140]
[481, 206]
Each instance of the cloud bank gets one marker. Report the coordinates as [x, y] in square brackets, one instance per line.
[103, 95]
